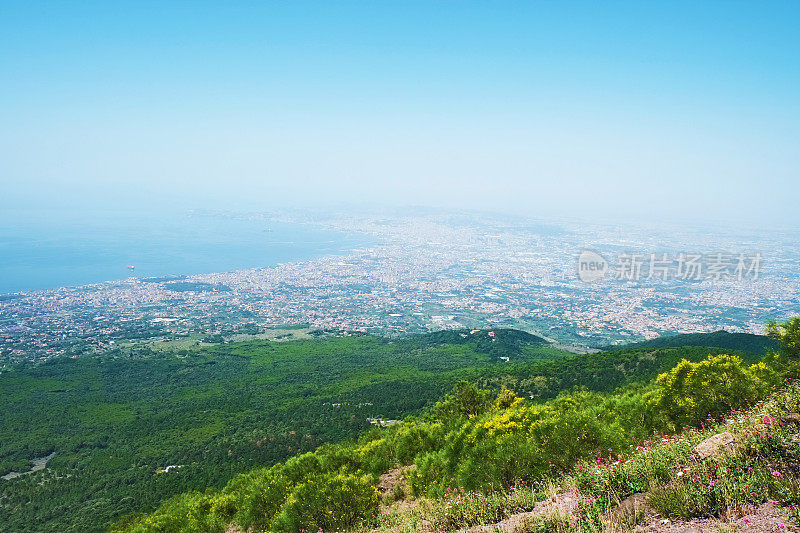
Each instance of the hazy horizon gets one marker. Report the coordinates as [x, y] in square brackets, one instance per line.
[674, 112]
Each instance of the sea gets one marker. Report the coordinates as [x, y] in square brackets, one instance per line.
[47, 249]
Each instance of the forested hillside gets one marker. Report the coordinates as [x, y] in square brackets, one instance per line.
[116, 421]
[746, 342]
[478, 456]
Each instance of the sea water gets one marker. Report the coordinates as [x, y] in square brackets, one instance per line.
[44, 249]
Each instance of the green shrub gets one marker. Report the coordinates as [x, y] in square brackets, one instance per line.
[328, 502]
[261, 499]
[188, 513]
[411, 439]
[692, 392]
[429, 475]
[300, 467]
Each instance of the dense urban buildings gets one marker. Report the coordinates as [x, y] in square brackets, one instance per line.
[433, 271]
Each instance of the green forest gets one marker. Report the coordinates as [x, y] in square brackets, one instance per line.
[209, 428]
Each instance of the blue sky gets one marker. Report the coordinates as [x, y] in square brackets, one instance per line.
[684, 110]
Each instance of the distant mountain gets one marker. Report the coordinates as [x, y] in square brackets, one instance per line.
[745, 342]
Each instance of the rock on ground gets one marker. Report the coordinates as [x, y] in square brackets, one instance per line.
[562, 503]
[713, 446]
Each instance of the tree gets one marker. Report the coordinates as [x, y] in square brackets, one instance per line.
[788, 334]
[465, 400]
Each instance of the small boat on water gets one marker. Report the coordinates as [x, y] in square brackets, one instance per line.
[131, 267]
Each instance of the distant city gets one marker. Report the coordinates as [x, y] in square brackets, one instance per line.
[431, 271]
